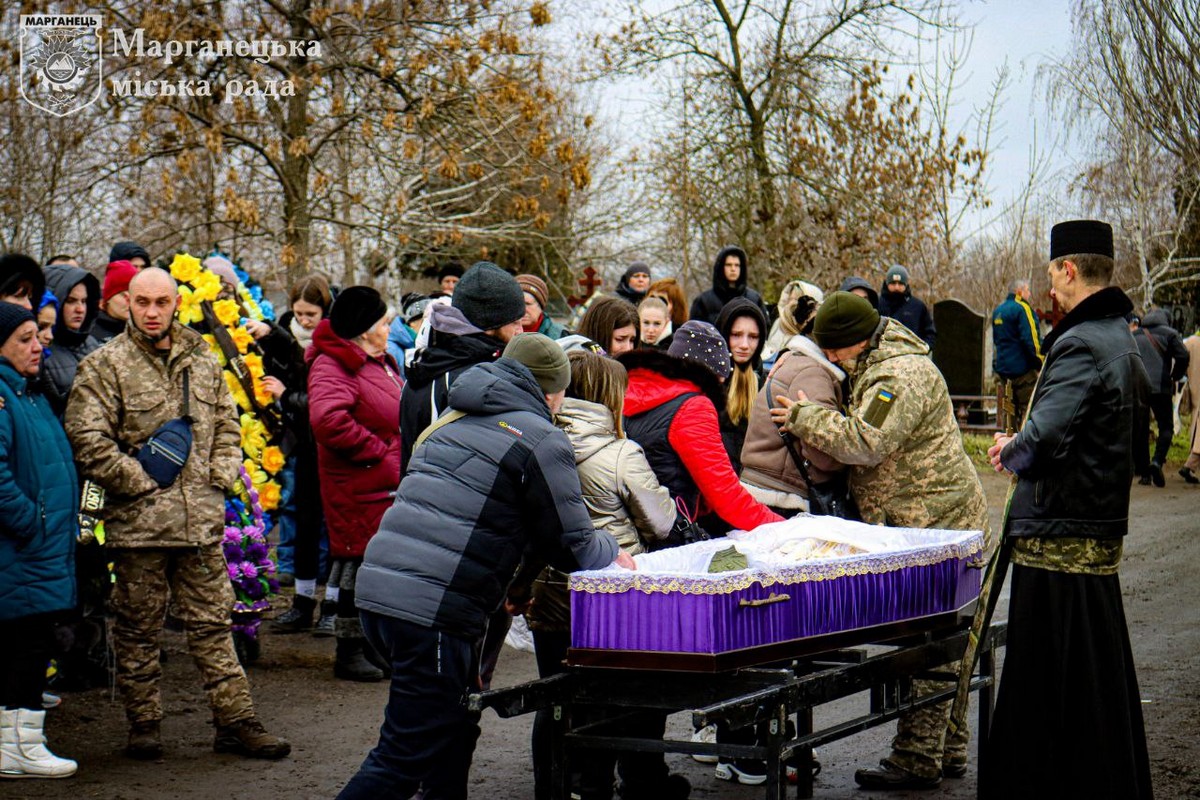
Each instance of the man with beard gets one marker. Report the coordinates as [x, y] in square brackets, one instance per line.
[908, 469]
[164, 535]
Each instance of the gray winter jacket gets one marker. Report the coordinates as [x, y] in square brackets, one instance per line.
[70, 347]
[481, 495]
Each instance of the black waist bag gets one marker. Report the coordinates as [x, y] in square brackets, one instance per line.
[167, 450]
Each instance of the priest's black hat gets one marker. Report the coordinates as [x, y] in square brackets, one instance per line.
[1081, 236]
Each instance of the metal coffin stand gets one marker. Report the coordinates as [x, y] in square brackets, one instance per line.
[813, 674]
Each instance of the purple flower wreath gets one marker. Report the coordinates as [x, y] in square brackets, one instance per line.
[251, 570]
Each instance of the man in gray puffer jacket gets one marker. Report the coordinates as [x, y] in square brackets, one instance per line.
[492, 480]
[78, 295]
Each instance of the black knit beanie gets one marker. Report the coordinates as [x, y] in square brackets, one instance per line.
[489, 297]
[844, 319]
[356, 311]
[12, 317]
[701, 343]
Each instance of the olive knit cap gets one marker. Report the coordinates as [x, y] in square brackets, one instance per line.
[543, 357]
[844, 319]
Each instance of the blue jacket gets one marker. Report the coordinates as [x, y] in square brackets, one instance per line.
[400, 340]
[1016, 344]
[39, 504]
[480, 493]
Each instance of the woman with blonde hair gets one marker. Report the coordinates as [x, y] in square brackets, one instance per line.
[671, 293]
[744, 328]
[624, 498]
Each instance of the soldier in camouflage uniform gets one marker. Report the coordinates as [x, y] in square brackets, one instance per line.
[1068, 720]
[165, 542]
[907, 469]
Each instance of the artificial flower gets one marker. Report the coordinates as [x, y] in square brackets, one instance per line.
[269, 495]
[257, 476]
[261, 394]
[207, 286]
[272, 459]
[254, 436]
[241, 339]
[189, 311]
[185, 268]
[227, 312]
[254, 363]
[235, 388]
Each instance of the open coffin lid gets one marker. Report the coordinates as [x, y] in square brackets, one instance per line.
[805, 577]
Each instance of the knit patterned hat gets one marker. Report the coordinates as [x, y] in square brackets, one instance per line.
[536, 287]
[844, 319]
[489, 297]
[545, 359]
[703, 344]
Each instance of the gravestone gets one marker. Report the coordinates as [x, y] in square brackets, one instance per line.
[959, 352]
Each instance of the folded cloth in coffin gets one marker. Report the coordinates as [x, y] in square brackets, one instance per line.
[806, 576]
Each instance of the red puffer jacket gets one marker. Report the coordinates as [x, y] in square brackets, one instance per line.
[354, 409]
[695, 436]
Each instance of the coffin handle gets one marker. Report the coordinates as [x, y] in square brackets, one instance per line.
[764, 601]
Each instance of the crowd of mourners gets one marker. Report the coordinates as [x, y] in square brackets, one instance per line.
[452, 457]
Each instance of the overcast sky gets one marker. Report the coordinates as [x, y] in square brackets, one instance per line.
[1021, 34]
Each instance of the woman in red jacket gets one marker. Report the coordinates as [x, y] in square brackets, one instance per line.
[354, 406]
[671, 410]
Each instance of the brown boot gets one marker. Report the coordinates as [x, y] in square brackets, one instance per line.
[145, 741]
[249, 738]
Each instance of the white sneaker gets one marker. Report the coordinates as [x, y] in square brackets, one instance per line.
[707, 735]
[51, 700]
[732, 772]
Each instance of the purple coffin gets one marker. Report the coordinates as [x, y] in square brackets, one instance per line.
[697, 612]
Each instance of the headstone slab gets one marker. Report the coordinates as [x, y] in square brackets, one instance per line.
[959, 348]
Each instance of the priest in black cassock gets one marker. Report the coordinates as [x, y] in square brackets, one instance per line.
[1068, 720]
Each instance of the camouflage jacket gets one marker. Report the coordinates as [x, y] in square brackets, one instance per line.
[122, 393]
[900, 438]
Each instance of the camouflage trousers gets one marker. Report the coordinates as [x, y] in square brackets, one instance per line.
[922, 742]
[197, 583]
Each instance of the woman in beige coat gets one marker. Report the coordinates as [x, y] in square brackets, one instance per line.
[769, 472]
[1191, 404]
[624, 498]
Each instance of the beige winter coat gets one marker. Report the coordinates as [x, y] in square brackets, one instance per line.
[621, 493]
[1192, 389]
[122, 393]
[766, 463]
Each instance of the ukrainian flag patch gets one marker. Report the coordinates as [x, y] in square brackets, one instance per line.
[881, 405]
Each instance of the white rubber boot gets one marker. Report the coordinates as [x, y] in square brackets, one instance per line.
[23, 752]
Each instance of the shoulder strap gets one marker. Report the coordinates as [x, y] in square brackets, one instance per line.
[442, 421]
[788, 440]
[187, 394]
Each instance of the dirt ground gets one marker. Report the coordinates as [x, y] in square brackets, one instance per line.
[332, 724]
